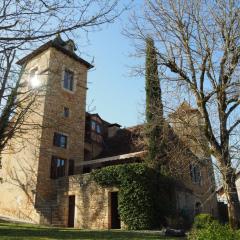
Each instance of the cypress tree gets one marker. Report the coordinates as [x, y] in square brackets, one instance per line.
[154, 110]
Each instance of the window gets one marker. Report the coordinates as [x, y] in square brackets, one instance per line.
[60, 140]
[34, 81]
[93, 125]
[195, 173]
[70, 167]
[96, 127]
[57, 167]
[66, 112]
[68, 80]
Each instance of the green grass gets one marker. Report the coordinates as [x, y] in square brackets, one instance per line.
[27, 231]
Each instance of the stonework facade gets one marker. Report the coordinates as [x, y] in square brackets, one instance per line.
[45, 169]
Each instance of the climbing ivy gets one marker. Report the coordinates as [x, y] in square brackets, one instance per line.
[145, 196]
[154, 127]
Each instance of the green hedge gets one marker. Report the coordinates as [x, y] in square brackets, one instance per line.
[202, 220]
[206, 228]
[145, 196]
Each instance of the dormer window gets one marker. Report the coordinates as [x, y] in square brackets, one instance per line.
[68, 80]
[70, 46]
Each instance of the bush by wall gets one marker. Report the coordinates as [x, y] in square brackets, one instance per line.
[202, 220]
[206, 228]
[145, 196]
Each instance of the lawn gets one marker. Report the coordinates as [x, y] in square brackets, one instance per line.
[27, 231]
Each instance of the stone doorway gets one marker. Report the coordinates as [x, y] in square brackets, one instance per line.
[114, 214]
[71, 211]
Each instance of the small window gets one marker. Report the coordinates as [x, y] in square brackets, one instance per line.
[68, 80]
[93, 125]
[34, 81]
[66, 112]
[57, 167]
[60, 140]
[195, 173]
[70, 167]
[98, 128]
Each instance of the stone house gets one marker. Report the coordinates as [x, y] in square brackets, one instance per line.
[45, 170]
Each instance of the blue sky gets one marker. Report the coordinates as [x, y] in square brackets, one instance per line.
[115, 95]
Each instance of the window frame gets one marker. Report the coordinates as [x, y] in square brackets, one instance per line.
[67, 69]
[97, 126]
[55, 140]
[68, 112]
[55, 170]
[195, 173]
[71, 167]
[93, 125]
[29, 86]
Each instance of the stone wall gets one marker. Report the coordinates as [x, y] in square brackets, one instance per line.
[92, 208]
[27, 159]
[20, 157]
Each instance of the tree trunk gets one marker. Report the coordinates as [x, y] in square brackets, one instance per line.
[232, 198]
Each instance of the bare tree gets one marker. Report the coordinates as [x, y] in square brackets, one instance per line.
[26, 23]
[198, 47]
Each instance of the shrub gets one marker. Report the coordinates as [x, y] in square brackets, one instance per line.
[202, 220]
[213, 231]
[144, 194]
[238, 234]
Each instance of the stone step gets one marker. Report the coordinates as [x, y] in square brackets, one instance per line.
[58, 225]
[56, 222]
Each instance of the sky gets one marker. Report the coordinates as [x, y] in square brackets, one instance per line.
[113, 93]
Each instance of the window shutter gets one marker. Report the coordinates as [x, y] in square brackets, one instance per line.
[71, 167]
[53, 173]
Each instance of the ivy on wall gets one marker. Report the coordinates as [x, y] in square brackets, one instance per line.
[145, 196]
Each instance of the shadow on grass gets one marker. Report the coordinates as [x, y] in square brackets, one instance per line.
[28, 232]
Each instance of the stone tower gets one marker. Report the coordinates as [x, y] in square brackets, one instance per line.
[54, 147]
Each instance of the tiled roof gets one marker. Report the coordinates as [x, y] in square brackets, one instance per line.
[58, 44]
